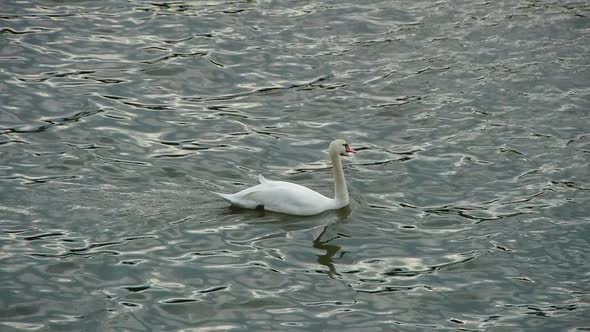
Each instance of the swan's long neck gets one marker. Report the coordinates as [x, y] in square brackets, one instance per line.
[340, 190]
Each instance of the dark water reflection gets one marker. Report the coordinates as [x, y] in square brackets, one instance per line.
[470, 190]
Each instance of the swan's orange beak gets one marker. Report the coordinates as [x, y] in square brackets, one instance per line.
[349, 149]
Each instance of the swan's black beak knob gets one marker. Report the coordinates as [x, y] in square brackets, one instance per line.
[349, 149]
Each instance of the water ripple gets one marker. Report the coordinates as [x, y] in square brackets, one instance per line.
[468, 194]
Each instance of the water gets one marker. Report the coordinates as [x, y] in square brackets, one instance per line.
[470, 190]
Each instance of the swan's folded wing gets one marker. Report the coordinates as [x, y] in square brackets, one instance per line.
[286, 197]
[281, 196]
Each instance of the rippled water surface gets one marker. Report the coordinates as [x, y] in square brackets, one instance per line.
[470, 192]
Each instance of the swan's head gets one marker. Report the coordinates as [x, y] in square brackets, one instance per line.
[340, 147]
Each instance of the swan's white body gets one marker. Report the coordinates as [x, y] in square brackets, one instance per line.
[281, 196]
[291, 198]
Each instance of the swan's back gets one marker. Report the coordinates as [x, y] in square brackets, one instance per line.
[281, 196]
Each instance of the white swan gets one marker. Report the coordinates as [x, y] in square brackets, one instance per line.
[291, 198]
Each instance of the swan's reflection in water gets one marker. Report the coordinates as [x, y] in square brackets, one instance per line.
[329, 222]
[328, 234]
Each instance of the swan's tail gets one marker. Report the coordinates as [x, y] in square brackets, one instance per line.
[227, 197]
